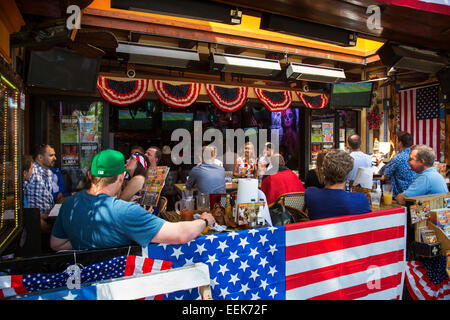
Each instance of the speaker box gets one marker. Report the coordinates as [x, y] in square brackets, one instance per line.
[409, 58]
[444, 80]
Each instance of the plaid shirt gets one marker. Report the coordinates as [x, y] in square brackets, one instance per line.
[38, 189]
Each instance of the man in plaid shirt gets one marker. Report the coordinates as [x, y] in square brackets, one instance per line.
[38, 189]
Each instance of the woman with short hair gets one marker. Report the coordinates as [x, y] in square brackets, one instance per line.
[333, 200]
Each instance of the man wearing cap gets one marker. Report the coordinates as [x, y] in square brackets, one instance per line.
[95, 218]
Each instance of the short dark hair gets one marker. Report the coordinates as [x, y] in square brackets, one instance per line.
[336, 167]
[27, 160]
[158, 153]
[39, 149]
[406, 138]
[354, 141]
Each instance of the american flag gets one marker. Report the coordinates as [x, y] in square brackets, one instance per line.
[428, 280]
[53, 286]
[349, 257]
[419, 115]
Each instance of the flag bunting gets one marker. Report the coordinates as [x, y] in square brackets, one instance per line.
[122, 92]
[348, 257]
[274, 101]
[227, 99]
[313, 101]
[428, 280]
[177, 95]
[54, 286]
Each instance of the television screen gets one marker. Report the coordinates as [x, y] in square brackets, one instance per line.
[175, 120]
[248, 132]
[63, 69]
[348, 94]
[140, 121]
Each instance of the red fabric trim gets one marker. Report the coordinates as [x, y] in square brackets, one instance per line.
[274, 106]
[173, 101]
[227, 105]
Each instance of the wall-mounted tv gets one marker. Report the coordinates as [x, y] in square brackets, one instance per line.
[175, 120]
[348, 95]
[249, 132]
[138, 121]
[62, 69]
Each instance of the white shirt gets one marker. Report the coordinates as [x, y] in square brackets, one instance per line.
[360, 160]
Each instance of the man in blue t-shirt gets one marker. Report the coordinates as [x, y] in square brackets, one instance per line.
[95, 218]
[333, 200]
[429, 181]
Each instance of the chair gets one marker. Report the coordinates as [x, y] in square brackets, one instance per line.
[294, 202]
[162, 206]
[169, 190]
[366, 191]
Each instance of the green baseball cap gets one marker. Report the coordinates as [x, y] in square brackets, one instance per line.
[108, 163]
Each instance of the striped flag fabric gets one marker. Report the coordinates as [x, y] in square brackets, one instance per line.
[53, 286]
[419, 113]
[343, 258]
[428, 280]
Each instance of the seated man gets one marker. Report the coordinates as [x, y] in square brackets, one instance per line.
[429, 181]
[279, 180]
[333, 200]
[397, 170]
[209, 177]
[95, 218]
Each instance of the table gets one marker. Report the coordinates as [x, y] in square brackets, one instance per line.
[231, 186]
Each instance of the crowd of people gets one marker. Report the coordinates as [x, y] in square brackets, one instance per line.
[105, 213]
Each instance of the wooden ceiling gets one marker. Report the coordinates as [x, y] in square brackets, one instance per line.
[399, 24]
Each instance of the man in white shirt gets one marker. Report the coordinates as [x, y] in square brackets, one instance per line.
[360, 159]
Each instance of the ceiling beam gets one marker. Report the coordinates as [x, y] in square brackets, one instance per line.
[119, 23]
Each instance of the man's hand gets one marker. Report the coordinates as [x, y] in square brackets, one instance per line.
[401, 199]
[208, 216]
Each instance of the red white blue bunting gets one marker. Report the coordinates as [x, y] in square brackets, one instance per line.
[313, 101]
[177, 95]
[227, 99]
[274, 101]
[122, 92]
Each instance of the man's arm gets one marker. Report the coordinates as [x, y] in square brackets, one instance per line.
[60, 244]
[401, 199]
[182, 232]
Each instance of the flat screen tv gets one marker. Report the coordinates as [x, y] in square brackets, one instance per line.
[347, 94]
[248, 132]
[63, 69]
[176, 120]
[139, 121]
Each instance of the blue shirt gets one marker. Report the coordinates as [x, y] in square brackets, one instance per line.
[360, 159]
[429, 181]
[210, 178]
[397, 170]
[92, 222]
[326, 203]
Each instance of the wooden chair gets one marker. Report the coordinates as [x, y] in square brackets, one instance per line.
[366, 191]
[162, 206]
[294, 202]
